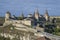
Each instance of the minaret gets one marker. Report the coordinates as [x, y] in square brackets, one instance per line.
[46, 16]
[7, 16]
[36, 14]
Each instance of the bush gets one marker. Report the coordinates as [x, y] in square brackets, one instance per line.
[3, 38]
[56, 31]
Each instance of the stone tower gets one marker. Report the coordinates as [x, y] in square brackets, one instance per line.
[29, 15]
[46, 16]
[36, 14]
[7, 16]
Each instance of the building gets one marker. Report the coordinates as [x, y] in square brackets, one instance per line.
[31, 20]
[7, 16]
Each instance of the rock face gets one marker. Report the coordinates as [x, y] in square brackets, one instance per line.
[18, 34]
[22, 33]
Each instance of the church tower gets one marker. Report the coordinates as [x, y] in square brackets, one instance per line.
[46, 16]
[7, 16]
[36, 14]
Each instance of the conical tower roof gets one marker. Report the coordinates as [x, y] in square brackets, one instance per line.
[36, 11]
[8, 12]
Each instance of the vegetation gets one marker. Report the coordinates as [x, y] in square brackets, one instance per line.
[20, 18]
[8, 29]
[2, 19]
[49, 28]
[56, 31]
[3, 38]
[53, 27]
[58, 20]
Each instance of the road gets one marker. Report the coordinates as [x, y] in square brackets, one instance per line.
[51, 36]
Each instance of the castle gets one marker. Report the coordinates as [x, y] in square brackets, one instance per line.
[30, 20]
[23, 24]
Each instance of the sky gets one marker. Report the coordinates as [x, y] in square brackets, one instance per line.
[16, 7]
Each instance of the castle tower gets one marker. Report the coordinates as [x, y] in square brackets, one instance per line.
[36, 14]
[7, 16]
[29, 15]
[46, 16]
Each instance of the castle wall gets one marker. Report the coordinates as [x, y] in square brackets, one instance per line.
[27, 22]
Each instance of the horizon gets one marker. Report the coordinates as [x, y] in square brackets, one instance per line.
[15, 7]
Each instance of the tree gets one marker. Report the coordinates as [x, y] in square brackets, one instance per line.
[49, 28]
[3, 38]
[57, 31]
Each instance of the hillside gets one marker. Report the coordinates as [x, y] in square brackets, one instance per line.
[2, 19]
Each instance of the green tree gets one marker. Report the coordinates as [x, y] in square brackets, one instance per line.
[3, 38]
[56, 31]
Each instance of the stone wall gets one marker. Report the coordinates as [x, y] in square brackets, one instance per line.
[27, 22]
